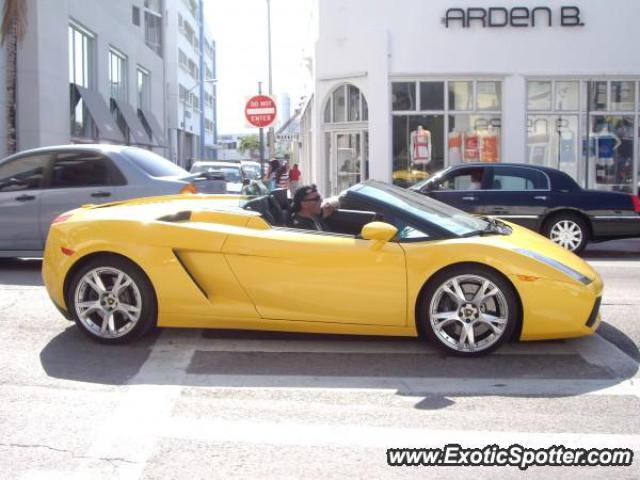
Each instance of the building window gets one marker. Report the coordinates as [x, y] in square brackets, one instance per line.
[431, 129]
[346, 104]
[81, 57]
[144, 88]
[153, 31]
[135, 16]
[118, 74]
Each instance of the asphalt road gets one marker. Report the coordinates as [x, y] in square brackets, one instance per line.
[209, 404]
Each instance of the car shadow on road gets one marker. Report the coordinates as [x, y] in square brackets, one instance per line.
[22, 272]
[222, 358]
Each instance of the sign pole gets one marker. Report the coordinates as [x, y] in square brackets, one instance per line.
[261, 139]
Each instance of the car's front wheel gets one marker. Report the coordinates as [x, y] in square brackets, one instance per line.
[468, 311]
[567, 230]
[112, 300]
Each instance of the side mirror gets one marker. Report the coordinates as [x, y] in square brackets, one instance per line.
[378, 231]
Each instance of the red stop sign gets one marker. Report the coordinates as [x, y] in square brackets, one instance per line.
[260, 111]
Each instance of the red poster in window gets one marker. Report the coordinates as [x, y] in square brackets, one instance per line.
[489, 148]
[471, 147]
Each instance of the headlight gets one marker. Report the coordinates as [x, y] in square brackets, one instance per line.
[557, 265]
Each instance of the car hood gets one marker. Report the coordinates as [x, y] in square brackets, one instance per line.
[524, 240]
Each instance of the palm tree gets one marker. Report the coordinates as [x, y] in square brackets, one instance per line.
[250, 143]
[12, 30]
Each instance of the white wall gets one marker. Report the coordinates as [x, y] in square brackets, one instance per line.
[369, 42]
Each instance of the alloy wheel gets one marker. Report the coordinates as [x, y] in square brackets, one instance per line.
[469, 313]
[567, 234]
[108, 302]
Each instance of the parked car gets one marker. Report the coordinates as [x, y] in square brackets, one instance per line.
[410, 266]
[251, 170]
[543, 199]
[37, 185]
[232, 172]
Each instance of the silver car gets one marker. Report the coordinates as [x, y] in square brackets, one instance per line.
[38, 185]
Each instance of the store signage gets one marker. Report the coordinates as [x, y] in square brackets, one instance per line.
[518, 17]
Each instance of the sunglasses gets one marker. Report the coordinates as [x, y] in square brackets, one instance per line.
[317, 198]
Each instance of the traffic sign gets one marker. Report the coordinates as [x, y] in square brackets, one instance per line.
[260, 111]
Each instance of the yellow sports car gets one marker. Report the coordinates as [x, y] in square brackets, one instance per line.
[394, 263]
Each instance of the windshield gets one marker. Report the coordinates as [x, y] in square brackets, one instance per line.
[444, 216]
[251, 171]
[153, 164]
[231, 173]
[430, 179]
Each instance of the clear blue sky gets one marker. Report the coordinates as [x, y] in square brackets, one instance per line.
[239, 28]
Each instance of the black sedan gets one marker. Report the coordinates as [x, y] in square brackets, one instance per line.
[543, 199]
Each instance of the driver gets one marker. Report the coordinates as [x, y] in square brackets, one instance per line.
[308, 212]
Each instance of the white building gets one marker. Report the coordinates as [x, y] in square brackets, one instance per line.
[91, 71]
[519, 81]
[190, 57]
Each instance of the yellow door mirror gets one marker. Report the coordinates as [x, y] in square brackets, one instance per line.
[379, 231]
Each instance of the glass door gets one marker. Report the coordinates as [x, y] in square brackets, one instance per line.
[348, 160]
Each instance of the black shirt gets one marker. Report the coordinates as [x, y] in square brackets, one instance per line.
[306, 223]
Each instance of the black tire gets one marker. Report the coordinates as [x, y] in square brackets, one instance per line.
[139, 294]
[554, 226]
[444, 337]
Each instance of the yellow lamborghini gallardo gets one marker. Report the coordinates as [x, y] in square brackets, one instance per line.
[393, 263]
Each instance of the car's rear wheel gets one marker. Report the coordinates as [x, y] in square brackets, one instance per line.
[567, 230]
[468, 311]
[112, 300]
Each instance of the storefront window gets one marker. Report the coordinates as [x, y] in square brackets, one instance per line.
[418, 142]
[431, 95]
[623, 96]
[567, 96]
[403, 96]
[552, 141]
[464, 129]
[539, 95]
[473, 138]
[611, 152]
[354, 103]
[460, 96]
[339, 101]
[597, 95]
[489, 95]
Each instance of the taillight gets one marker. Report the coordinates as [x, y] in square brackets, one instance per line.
[636, 203]
[189, 188]
[61, 218]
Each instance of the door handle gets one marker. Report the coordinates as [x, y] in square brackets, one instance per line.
[540, 197]
[25, 198]
[470, 198]
[101, 194]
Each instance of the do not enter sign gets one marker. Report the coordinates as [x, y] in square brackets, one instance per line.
[260, 111]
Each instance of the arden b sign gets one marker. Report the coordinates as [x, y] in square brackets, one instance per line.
[517, 17]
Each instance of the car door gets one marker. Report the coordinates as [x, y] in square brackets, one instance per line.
[78, 178]
[21, 181]
[462, 188]
[518, 194]
[321, 277]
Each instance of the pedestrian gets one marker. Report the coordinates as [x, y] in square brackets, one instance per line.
[282, 176]
[274, 165]
[294, 179]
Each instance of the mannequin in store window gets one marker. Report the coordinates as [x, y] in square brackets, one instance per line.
[420, 146]
[455, 147]
[489, 151]
[607, 143]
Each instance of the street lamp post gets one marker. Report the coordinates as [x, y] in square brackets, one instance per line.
[271, 132]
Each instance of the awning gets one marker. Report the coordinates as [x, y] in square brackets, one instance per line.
[107, 128]
[137, 133]
[153, 124]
